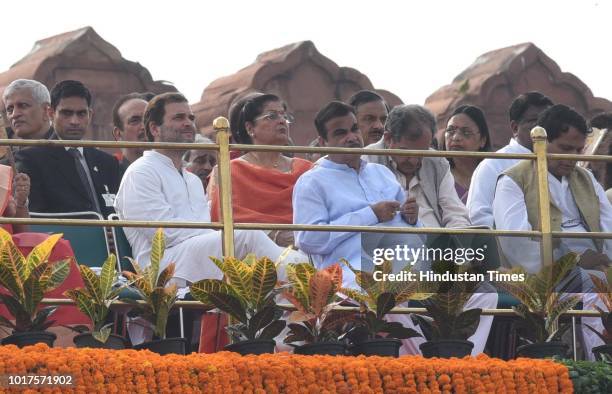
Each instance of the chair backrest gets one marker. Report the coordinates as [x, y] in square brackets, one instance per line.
[123, 248]
[89, 243]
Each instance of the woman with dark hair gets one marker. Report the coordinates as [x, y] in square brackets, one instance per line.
[466, 130]
[262, 182]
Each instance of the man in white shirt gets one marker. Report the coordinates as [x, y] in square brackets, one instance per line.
[428, 180]
[523, 114]
[156, 188]
[577, 203]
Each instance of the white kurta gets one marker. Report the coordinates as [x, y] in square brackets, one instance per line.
[152, 189]
[482, 186]
[510, 213]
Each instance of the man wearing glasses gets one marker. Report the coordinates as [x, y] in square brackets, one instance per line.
[577, 204]
[523, 114]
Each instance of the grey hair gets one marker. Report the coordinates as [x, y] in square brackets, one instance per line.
[199, 139]
[402, 116]
[39, 92]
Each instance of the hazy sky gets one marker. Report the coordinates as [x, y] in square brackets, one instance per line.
[408, 47]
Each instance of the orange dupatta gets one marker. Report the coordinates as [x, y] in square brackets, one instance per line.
[259, 195]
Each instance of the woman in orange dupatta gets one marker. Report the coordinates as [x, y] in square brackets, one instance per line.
[262, 182]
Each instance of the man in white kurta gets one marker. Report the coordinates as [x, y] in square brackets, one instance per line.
[510, 211]
[155, 188]
[523, 114]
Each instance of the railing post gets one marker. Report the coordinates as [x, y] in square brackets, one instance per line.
[538, 135]
[221, 126]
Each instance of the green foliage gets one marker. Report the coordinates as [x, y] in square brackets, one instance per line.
[590, 377]
[313, 293]
[376, 299]
[448, 320]
[95, 299]
[27, 280]
[543, 300]
[604, 291]
[152, 286]
[247, 294]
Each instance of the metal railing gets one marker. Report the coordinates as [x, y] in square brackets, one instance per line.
[223, 147]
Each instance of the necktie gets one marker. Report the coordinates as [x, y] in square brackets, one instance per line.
[83, 172]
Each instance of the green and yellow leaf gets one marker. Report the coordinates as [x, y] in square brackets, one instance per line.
[264, 280]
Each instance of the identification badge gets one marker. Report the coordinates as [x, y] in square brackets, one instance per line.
[109, 199]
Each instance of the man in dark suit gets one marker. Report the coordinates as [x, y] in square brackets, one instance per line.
[70, 179]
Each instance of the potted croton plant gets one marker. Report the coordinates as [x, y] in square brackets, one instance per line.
[153, 287]
[247, 293]
[314, 295]
[26, 280]
[371, 334]
[448, 325]
[604, 291]
[543, 300]
[94, 301]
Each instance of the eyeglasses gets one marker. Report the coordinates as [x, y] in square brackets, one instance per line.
[276, 116]
[462, 131]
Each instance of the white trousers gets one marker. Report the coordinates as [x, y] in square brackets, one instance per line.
[192, 257]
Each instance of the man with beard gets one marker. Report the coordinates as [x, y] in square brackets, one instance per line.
[67, 179]
[371, 111]
[156, 188]
[427, 180]
[128, 126]
[200, 162]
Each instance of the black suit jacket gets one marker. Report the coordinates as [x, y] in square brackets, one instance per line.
[55, 182]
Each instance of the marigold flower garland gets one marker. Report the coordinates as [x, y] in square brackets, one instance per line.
[111, 371]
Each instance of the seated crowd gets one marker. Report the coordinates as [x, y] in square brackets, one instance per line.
[336, 189]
